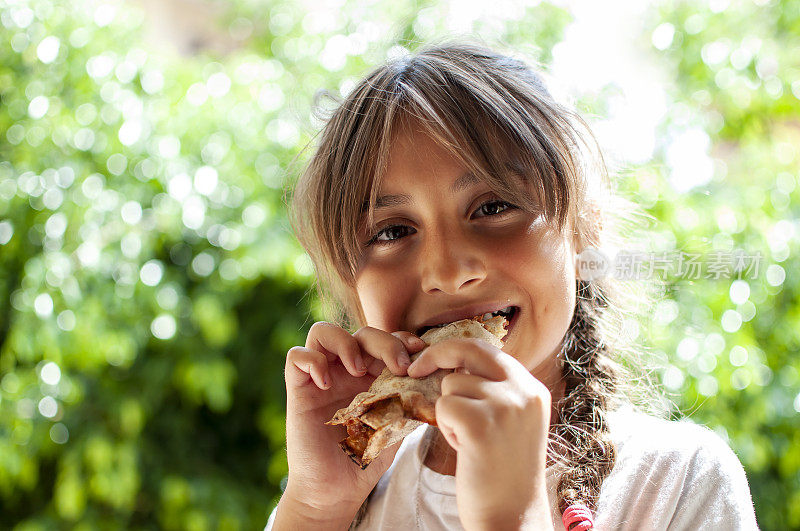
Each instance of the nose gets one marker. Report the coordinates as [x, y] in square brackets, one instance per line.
[449, 263]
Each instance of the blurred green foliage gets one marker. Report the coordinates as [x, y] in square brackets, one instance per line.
[150, 286]
[734, 73]
[149, 283]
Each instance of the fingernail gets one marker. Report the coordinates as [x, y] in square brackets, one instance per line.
[417, 342]
[403, 360]
[360, 366]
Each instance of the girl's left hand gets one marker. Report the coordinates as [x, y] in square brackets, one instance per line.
[496, 415]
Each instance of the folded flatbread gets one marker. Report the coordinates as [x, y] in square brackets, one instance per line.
[396, 405]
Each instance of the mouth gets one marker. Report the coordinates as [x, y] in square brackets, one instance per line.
[510, 313]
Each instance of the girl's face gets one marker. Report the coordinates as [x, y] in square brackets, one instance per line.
[446, 248]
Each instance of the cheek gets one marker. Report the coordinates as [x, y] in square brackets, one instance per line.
[543, 261]
[382, 295]
[544, 269]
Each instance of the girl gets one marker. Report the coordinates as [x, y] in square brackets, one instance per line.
[449, 184]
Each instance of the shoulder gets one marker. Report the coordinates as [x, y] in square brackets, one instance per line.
[684, 474]
[644, 437]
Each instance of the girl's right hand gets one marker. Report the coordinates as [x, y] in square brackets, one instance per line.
[322, 377]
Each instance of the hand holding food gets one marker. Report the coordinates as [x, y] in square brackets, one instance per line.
[396, 405]
[322, 377]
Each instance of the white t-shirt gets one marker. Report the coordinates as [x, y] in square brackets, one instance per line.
[668, 475]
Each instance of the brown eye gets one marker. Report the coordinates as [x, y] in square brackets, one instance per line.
[494, 207]
[391, 233]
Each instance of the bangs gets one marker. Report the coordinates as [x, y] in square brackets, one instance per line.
[484, 153]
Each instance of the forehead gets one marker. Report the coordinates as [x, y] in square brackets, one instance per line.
[465, 181]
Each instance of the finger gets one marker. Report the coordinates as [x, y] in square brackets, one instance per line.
[375, 367]
[475, 355]
[412, 343]
[304, 365]
[466, 385]
[384, 346]
[458, 418]
[334, 341]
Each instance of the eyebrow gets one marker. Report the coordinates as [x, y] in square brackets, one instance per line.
[466, 180]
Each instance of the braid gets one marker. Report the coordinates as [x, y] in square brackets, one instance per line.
[590, 381]
[362, 511]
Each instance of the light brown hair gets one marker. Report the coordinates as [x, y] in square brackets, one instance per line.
[496, 116]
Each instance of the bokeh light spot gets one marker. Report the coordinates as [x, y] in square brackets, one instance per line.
[66, 320]
[47, 51]
[708, 386]
[739, 291]
[218, 84]
[731, 321]
[59, 433]
[741, 379]
[50, 373]
[6, 232]
[38, 107]
[43, 305]
[663, 35]
[167, 298]
[775, 275]
[151, 273]
[48, 407]
[152, 81]
[131, 212]
[203, 264]
[179, 187]
[163, 327]
[738, 356]
[205, 180]
[194, 212]
[117, 163]
[688, 349]
[673, 378]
